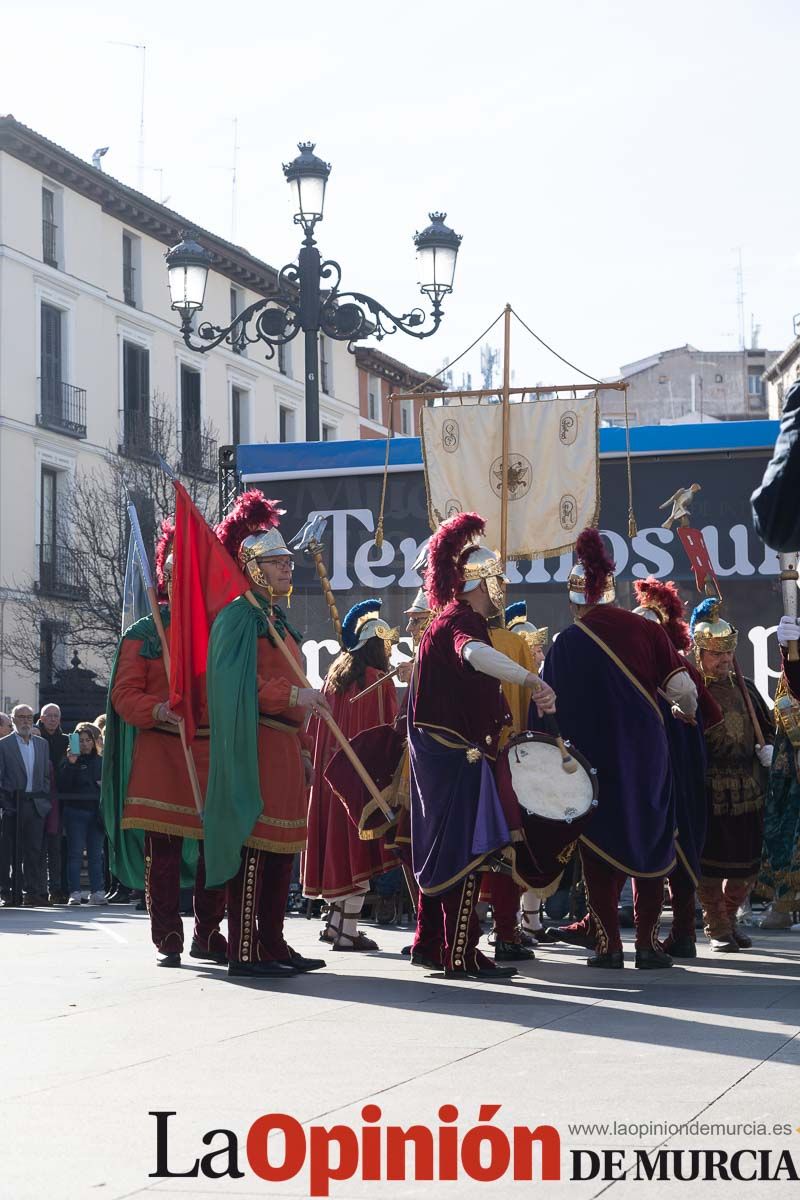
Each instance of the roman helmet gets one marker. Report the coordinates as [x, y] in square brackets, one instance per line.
[457, 562]
[591, 580]
[362, 622]
[709, 630]
[517, 621]
[659, 600]
[250, 532]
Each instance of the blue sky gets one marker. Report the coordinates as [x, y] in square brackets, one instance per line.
[604, 161]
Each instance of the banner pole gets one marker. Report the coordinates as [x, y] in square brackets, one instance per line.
[506, 419]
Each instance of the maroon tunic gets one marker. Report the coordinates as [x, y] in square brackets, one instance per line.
[337, 861]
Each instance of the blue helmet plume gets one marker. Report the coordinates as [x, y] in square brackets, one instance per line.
[704, 611]
[518, 609]
[350, 622]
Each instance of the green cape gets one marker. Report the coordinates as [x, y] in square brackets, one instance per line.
[126, 846]
[233, 798]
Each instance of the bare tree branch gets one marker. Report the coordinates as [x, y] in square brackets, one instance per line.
[89, 571]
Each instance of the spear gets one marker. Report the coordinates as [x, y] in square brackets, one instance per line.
[308, 541]
[147, 580]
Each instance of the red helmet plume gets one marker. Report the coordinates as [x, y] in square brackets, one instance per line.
[251, 513]
[593, 556]
[444, 573]
[663, 596]
[163, 549]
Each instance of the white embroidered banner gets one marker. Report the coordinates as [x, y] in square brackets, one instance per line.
[553, 477]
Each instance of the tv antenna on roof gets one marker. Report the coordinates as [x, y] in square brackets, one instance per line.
[140, 162]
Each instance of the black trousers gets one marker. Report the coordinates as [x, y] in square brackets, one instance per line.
[31, 840]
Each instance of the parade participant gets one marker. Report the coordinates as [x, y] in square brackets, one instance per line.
[146, 788]
[735, 780]
[517, 622]
[260, 755]
[498, 888]
[607, 669]
[456, 715]
[338, 864]
[659, 601]
[780, 868]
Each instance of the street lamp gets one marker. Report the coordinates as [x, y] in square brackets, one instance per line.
[307, 295]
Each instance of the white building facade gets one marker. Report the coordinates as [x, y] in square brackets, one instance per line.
[90, 353]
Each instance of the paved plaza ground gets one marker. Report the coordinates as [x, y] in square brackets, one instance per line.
[95, 1037]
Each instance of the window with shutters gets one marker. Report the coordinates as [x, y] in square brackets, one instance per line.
[237, 305]
[136, 424]
[325, 366]
[285, 424]
[198, 451]
[49, 228]
[130, 258]
[52, 365]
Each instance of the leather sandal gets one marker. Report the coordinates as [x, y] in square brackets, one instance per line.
[358, 942]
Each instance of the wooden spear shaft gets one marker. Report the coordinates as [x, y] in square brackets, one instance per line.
[299, 673]
[506, 421]
[187, 750]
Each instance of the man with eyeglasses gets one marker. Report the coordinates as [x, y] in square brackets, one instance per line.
[256, 804]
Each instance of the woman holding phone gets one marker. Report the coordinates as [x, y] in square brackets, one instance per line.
[79, 787]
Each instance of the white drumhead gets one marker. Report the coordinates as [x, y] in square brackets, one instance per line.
[543, 787]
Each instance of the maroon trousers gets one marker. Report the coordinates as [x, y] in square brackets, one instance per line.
[503, 894]
[604, 884]
[162, 886]
[257, 896]
[448, 928]
[682, 895]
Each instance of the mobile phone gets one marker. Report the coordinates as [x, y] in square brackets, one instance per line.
[75, 743]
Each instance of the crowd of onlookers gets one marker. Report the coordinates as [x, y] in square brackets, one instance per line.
[50, 809]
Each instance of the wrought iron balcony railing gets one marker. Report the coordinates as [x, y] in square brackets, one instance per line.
[143, 436]
[62, 407]
[63, 572]
[199, 455]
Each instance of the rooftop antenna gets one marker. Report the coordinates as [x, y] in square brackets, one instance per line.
[489, 358]
[755, 331]
[234, 182]
[140, 162]
[740, 298]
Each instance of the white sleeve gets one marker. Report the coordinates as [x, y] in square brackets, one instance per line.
[489, 661]
[680, 689]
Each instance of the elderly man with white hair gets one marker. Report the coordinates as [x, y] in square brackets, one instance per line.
[25, 798]
[49, 727]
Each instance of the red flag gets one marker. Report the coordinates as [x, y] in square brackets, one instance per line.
[204, 579]
[699, 559]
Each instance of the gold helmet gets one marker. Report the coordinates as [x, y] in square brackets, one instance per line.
[517, 621]
[709, 630]
[485, 564]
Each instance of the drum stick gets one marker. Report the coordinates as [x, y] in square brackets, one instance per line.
[567, 761]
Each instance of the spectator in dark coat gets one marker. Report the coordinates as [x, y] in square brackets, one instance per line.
[776, 503]
[79, 786]
[49, 726]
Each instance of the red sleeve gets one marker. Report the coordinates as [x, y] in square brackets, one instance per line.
[468, 626]
[274, 694]
[667, 660]
[132, 695]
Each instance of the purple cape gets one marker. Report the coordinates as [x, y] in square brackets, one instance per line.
[687, 752]
[607, 715]
[456, 814]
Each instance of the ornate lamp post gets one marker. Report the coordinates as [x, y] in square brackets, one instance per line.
[307, 296]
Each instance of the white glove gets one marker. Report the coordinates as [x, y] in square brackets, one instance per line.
[311, 698]
[788, 630]
[764, 755]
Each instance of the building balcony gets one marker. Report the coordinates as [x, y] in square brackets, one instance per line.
[62, 408]
[143, 436]
[49, 243]
[63, 572]
[199, 456]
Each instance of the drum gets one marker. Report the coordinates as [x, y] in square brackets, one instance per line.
[555, 805]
